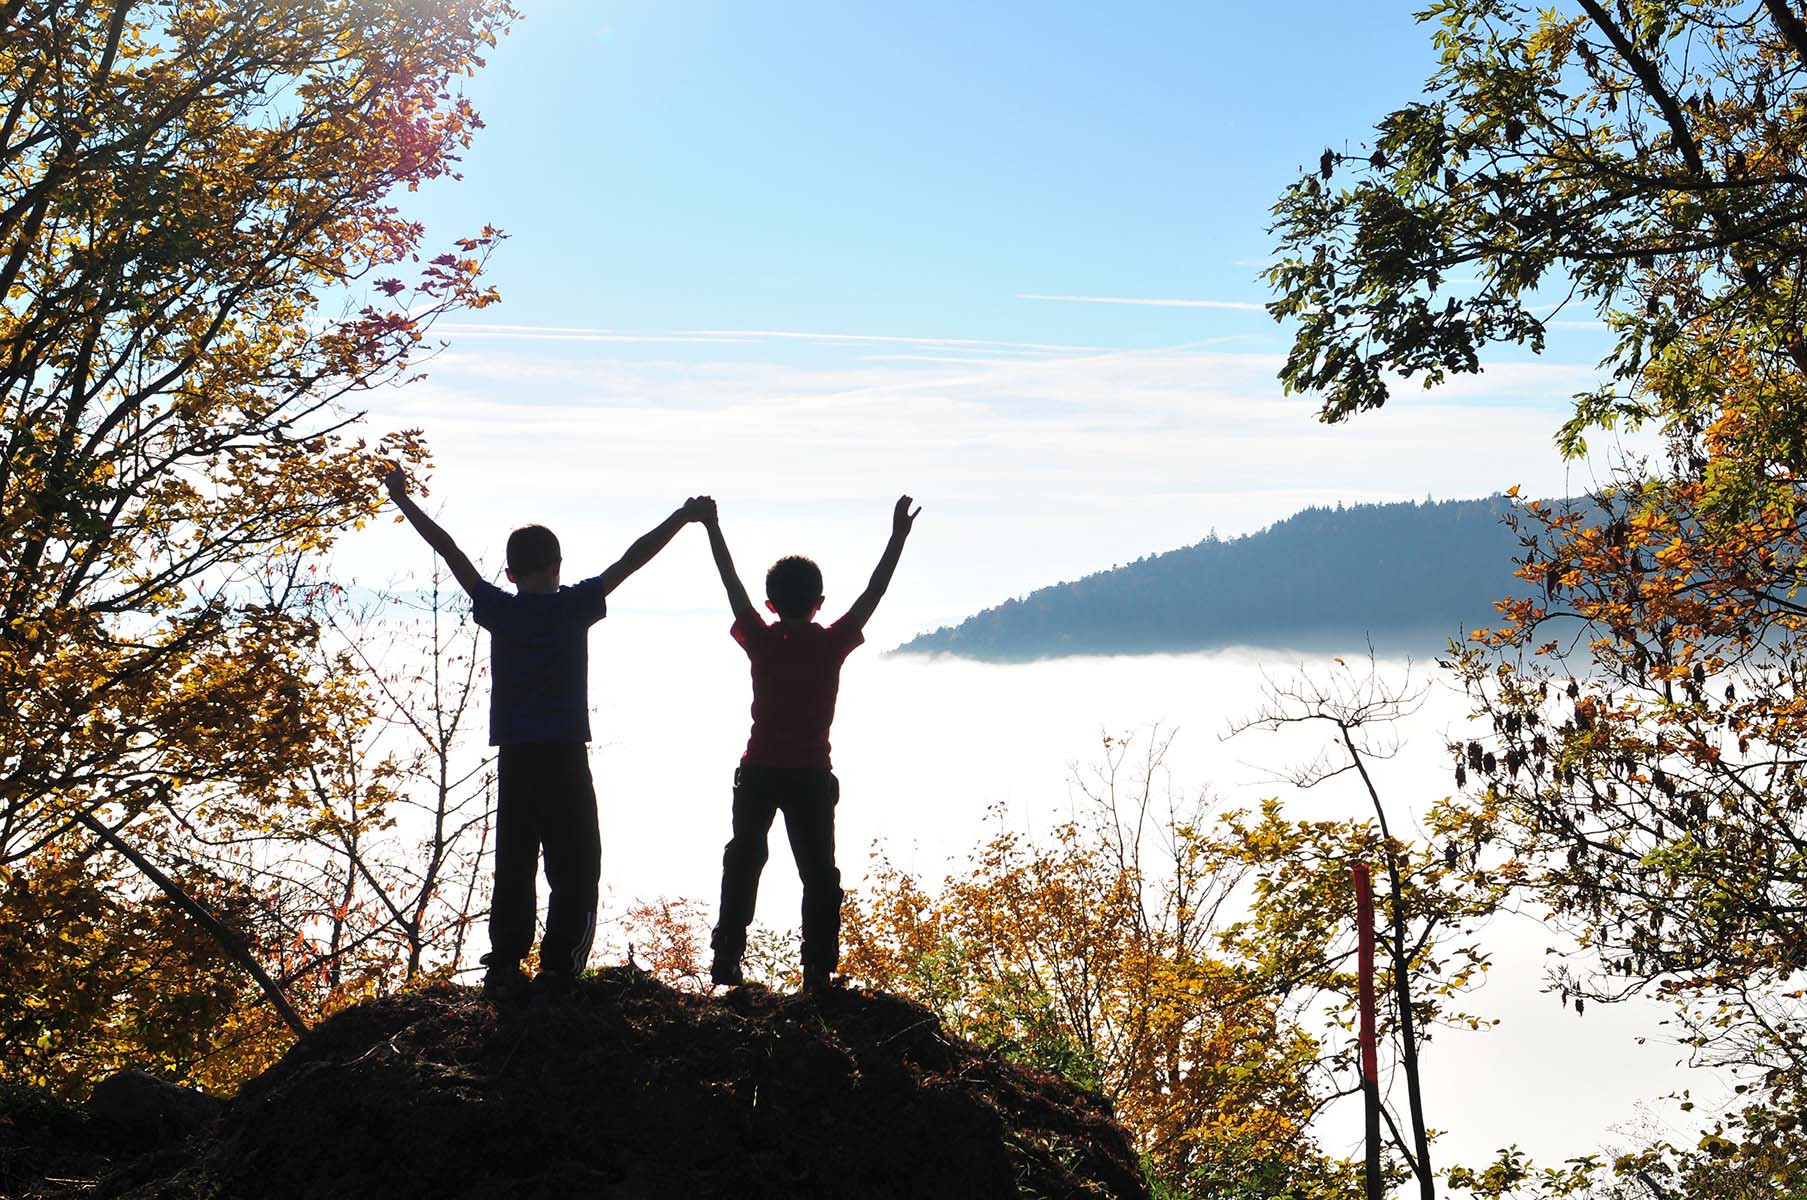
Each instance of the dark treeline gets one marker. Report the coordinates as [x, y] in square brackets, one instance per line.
[1405, 576]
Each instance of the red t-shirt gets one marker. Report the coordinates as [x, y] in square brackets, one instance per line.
[796, 676]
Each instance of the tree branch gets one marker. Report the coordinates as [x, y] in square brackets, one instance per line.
[228, 940]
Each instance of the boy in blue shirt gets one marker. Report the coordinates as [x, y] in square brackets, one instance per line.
[539, 722]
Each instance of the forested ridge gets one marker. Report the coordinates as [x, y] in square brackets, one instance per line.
[1406, 575]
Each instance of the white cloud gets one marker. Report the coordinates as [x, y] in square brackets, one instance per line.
[454, 331]
[1031, 470]
[889, 339]
[1238, 305]
[555, 333]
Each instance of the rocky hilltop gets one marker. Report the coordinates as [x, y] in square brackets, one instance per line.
[633, 1090]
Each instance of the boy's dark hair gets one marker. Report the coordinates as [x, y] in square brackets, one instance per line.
[532, 548]
[793, 585]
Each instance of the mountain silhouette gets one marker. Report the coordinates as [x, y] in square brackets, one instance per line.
[1403, 577]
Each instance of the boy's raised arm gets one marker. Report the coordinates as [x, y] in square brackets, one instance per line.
[738, 602]
[648, 544]
[429, 529]
[901, 520]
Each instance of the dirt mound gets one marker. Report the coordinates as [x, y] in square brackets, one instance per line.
[48, 1147]
[635, 1090]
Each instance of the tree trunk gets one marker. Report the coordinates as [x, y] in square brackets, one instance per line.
[229, 941]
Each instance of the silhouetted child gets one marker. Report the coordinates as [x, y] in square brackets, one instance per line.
[796, 675]
[539, 722]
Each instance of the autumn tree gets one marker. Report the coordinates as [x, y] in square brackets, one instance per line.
[101, 973]
[192, 197]
[403, 800]
[370, 881]
[1640, 165]
[1435, 890]
[373, 878]
[1094, 953]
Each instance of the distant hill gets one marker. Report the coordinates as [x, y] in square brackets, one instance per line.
[1404, 576]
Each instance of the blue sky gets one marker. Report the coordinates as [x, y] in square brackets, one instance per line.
[787, 255]
[910, 169]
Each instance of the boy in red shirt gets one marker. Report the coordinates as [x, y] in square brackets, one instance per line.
[796, 675]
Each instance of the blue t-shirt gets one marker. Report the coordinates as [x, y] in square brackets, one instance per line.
[539, 656]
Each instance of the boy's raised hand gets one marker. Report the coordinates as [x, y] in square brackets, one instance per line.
[700, 509]
[441, 541]
[902, 518]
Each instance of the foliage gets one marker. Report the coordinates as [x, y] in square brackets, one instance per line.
[1644, 766]
[394, 760]
[1298, 930]
[1661, 792]
[1643, 702]
[101, 977]
[668, 940]
[1636, 162]
[111, 974]
[1757, 1152]
[184, 191]
[1091, 954]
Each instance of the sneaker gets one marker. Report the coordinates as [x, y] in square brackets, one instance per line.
[725, 972]
[553, 987]
[504, 986]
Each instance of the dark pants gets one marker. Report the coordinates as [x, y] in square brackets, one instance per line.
[807, 797]
[544, 799]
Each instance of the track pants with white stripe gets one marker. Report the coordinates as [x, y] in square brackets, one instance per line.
[545, 802]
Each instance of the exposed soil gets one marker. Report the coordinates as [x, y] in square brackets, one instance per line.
[48, 1147]
[633, 1090]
